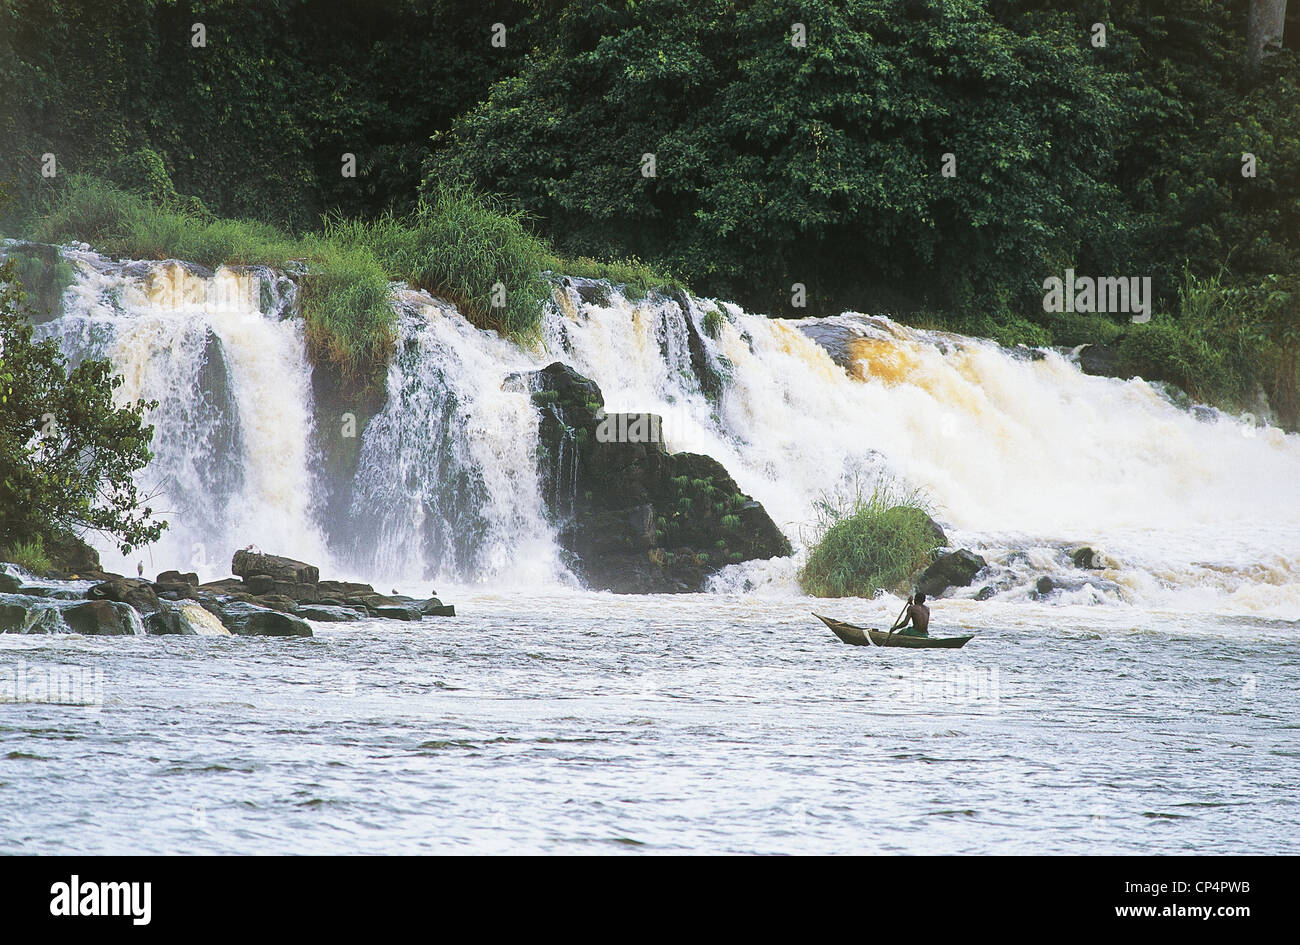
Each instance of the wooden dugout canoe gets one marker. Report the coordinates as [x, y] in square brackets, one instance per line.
[865, 636]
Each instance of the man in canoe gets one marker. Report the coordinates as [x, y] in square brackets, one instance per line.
[917, 614]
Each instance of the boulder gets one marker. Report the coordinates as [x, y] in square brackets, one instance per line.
[1102, 360]
[138, 594]
[342, 589]
[286, 605]
[259, 584]
[70, 555]
[632, 517]
[9, 584]
[177, 577]
[13, 617]
[436, 608]
[396, 612]
[101, 618]
[201, 623]
[165, 623]
[327, 614]
[956, 569]
[224, 586]
[246, 619]
[246, 563]
[1085, 558]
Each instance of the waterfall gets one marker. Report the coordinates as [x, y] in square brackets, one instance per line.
[234, 460]
[1022, 456]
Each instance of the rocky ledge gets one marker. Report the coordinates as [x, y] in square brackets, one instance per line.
[632, 517]
[269, 596]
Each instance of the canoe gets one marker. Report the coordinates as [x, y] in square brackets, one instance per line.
[865, 636]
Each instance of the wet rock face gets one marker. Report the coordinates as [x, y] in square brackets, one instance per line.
[100, 618]
[633, 517]
[956, 569]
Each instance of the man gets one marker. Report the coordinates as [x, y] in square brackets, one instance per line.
[917, 614]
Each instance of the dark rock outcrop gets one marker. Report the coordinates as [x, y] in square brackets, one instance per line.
[100, 618]
[1101, 360]
[286, 570]
[246, 619]
[1085, 558]
[632, 517]
[956, 569]
[138, 594]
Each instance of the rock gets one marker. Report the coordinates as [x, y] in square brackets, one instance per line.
[341, 589]
[986, 592]
[13, 617]
[70, 555]
[165, 623]
[956, 569]
[101, 618]
[327, 614]
[177, 577]
[246, 563]
[1102, 360]
[436, 608]
[250, 620]
[224, 586]
[396, 613]
[632, 517]
[201, 623]
[138, 594]
[9, 584]
[278, 602]
[259, 584]
[1044, 586]
[176, 591]
[1085, 558]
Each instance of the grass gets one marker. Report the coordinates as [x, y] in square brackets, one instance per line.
[30, 556]
[866, 543]
[458, 244]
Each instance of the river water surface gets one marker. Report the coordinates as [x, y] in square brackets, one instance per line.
[587, 723]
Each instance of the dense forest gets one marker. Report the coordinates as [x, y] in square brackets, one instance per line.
[933, 160]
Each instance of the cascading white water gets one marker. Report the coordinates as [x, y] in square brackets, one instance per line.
[447, 483]
[233, 449]
[1022, 455]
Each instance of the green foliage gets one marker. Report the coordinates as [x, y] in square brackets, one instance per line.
[344, 293]
[67, 452]
[256, 122]
[29, 555]
[775, 164]
[865, 543]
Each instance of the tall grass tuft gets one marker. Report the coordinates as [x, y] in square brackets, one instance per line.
[459, 244]
[30, 556]
[868, 542]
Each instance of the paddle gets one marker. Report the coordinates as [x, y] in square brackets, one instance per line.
[900, 617]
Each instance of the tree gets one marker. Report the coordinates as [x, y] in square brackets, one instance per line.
[1264, 27]
[67, 453]
[806, 143]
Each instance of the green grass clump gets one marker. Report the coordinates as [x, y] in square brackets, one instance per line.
[30, 556]
[868, 543]
[458, 244]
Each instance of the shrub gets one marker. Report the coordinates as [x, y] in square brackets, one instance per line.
[868, 543]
